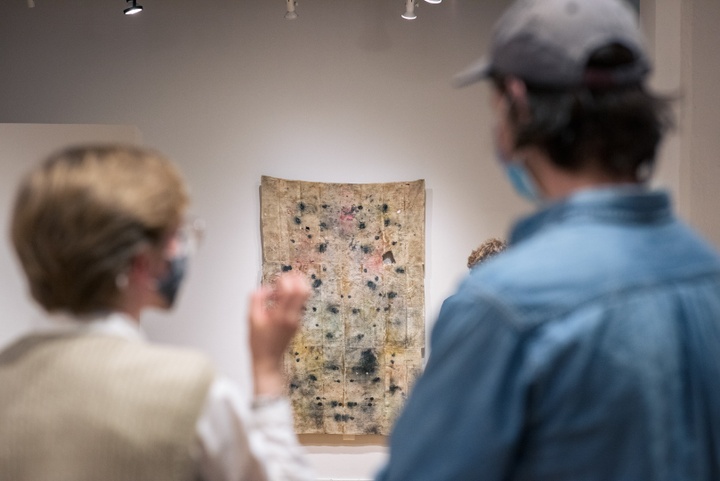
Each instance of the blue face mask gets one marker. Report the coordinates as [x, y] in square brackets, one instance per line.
[188, 239]
[522, 181]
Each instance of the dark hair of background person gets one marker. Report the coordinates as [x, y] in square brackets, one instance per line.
[618, 128]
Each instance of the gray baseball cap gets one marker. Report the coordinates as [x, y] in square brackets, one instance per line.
[548, 43]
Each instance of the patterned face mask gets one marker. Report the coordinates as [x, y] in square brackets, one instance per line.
[187, 239]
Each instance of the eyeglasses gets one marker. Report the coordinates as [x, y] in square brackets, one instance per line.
[189, 236]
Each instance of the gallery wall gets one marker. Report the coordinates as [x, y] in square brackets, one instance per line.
[702, 120]
[683, 39]
[347, 92]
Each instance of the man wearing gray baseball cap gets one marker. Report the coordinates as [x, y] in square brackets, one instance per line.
[590, 349]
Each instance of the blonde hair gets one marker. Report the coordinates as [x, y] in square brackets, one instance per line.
[489, 248]
[81, 216]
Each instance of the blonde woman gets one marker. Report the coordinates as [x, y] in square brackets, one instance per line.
[100, 234]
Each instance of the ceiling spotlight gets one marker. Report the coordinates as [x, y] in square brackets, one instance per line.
[290, 14]
[133, 8]
[409, 10]
[434, 2]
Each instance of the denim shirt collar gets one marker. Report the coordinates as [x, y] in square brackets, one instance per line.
[619, 204]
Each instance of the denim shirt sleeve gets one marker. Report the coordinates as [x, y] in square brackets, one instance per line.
[463, 419]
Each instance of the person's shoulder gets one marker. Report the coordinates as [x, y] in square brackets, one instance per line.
[489, 294]
[175, 354]
[560, 269]
[536, 279]
[521, 269]
[120, 355]
[165, 368]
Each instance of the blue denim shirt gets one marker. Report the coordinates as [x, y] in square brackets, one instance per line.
[589, 350]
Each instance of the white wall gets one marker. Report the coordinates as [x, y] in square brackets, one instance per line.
[348, 92]
[684, 38]
[702, 75]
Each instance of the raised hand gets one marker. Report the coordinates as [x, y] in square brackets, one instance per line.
[275, 314]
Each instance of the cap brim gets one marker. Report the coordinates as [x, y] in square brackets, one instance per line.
[475, 72]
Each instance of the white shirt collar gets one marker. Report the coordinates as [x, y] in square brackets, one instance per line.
[112, 324]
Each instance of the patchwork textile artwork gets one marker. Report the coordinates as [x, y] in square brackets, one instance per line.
[360, 347]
